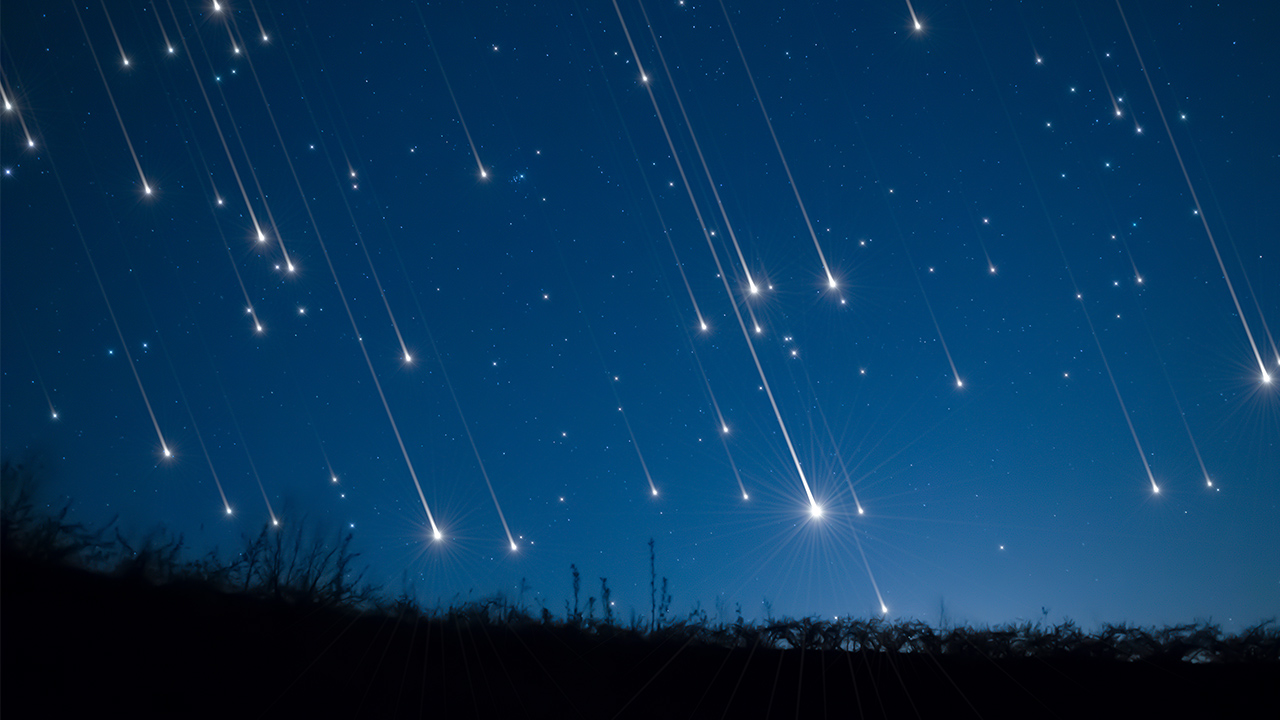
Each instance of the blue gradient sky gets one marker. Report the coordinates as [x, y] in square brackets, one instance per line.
[552, 295]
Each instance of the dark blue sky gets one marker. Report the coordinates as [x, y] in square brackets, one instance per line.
[989, 139]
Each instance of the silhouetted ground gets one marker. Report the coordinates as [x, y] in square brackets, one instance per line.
[75, 643]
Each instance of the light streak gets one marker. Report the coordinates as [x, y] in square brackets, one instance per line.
[106, 300]
[1044, 208]
[752, 288]
[9, 107]
[123, 58]
[915, 21]
[475, 153]
[719, 267]
[167, 43]
[146, 187]
[262, 31]
[218, 127]
[364, 351]
[253, 174]
[1262, 367]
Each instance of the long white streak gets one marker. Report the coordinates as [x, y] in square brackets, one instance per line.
[1044, 208]
[146, 188]
[289, 161]
[831, 281]
[359, 337]
[751, 283]
[483, 173]
[1266, 377]
[257, 228]
[719, 267]
[110, 311]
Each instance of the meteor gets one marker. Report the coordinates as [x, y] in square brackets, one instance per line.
[107, 301]
[764, 382]
[123, 58]
[9, 107]
[1266, 377]
[484, 174]
[915, 22]
[163, 33]
[218, 127]
[751, 283]
[111, 97]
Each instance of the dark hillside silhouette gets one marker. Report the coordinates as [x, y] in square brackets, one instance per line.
[92, 625]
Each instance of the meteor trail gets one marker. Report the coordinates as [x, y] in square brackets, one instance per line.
[9, 107]
[484, 174]
[751, 283]
[355, 328]
[1262, 366]
[1044, 208]
[167, 43]
[719, 267]
[164, 447]
[123, 58]
[439, 358]
[831, 281]
[915, 22]
[404, 350]
[146, 187]
[257, 228]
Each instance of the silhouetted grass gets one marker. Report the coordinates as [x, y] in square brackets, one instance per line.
[288, 623]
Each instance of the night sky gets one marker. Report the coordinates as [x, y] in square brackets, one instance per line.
[1026, 290]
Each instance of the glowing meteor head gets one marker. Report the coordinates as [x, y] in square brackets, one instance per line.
[754, 289]
[408, 358]
[167, 452]
[126, 61]
[170, 49]
[884, 609]
[959, 383]
[484, 173]
[991, 269]
[334, 478]
[1155, 489]
[265, 38]
[815, 511]
[724, 429]
[31, 143]
[861, 511]
[514, 548]
[1208, 482]
[275, 522]
[55, 416]
[217, 6]
[655, 492]
[644, 78]
[291, 268]
[437, 535]
[257, 327]
[759, 330]
[220, 202]
[146, 189]
[831, 282]
[1266, 378]
[704, 327]
[228, 509]
[745, 496]
[261, 237]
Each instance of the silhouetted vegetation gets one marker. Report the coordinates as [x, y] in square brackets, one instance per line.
[289, 622]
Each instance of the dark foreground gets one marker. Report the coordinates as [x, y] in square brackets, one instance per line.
[75, 643]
